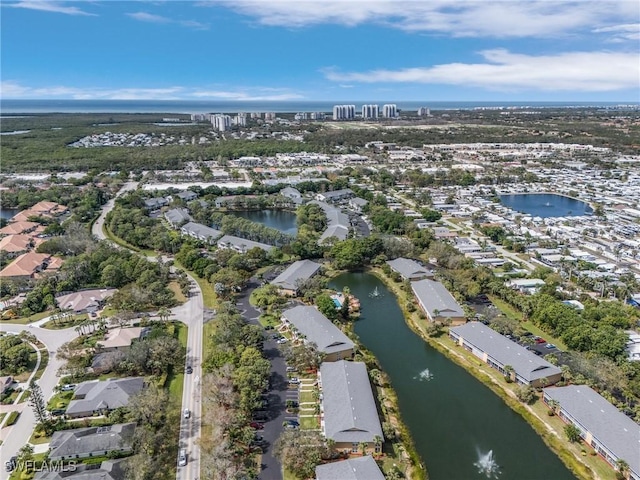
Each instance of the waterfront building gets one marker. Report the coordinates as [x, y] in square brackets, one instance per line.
[612, 434]
[269, 116]
[499, 352]
[289, 281]
[369, 112]
[358, 468]
[344, 112]
[389, 111]
[424, 112]
[201, 232]
[348, 410]
[409, 269]
[437, 303]
[240, 120]
[335, 195]
[241, 245]
[221, 122]
[311, 325]
[337, 222]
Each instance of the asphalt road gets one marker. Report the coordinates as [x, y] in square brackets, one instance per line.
[96, 229]
[277, 396]
[17, 435]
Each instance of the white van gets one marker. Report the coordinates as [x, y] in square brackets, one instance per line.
[182, 457]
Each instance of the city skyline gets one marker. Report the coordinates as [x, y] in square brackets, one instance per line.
[314, 51]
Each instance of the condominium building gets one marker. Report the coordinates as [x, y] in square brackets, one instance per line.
[344, 112]
[389, 111]
[221, 122]
[369, 111]
[424, 112]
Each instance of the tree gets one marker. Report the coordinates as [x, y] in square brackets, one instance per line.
[300, 451]
[37, 403]
[327, 306]
[526, 394]
[622, 468]
[572, 432]
[377, 440]
[25, 454]
[509, 373]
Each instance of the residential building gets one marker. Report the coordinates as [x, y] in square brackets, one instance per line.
[221, 122]
[359, 468]
[107, 470]
[357, 204]
[187, 195]
[5, 383]
[29, 264]
[348, 410]
[18, 228]
[201, 232]
[99, 397]
[14, 245]
[241, 245]
[293, 194]
[409, 269]
[311, 325]
[389, 111]
[499, 352]
[528, 286]
[155, 204]
[335, 195]
[612, 434]
[91, 441]
[121, 338]
[369, 112]
[344, 112]
[437, 303]
[424, 112]
[633, 346]
[85, 301]
[289, 281]
[177, 217]
[337, 222]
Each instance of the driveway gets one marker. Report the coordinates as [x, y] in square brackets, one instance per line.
[277, 395]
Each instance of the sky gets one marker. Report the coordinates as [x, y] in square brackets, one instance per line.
[285, 50]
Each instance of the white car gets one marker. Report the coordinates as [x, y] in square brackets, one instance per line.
[182, 457]
[187, 413]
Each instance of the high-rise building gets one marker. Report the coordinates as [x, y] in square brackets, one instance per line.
[221, 122]
[424, 112]
[344, 112]
[316, 115]
[198, 117]
[269, 116]
[369, 111]
[240, 120]
[255, 115]
[389, 111]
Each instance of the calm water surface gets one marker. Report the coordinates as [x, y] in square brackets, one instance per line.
[8, 212]
[282, 220]
[454, 419]
[546, 205]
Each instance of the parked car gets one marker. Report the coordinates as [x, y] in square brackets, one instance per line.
[282, 340]
[540, 340]
[292, 369]
[291, 424]
[187, 413]
[189, 369]
[257, 425]
[549, 346]
[294, 381]
[57, 412]
[182, 457]
[68, 387]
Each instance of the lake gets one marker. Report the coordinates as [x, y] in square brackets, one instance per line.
[7, 213]
[282, 220]
[462, 430]
[546, 205]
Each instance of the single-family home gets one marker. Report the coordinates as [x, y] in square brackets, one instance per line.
[409, 269]
[289, 281]
[612, 434]
[499, 352]
[201, 232]
[241, 245]
[349, 415]
[98, 397]
[311, 325]
[91, 441]
[121, 338]
[85, 301]
[358, 468]
[104, 362]
[177, 217]
[437, 303]
[528, 286]
[107, 470]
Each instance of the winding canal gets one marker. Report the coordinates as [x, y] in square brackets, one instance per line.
[461, 429]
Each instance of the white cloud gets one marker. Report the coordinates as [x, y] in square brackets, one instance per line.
[11, 89]
[48, 6]
[152, 18]
[620, 33]
[503, 70]
[461, 18]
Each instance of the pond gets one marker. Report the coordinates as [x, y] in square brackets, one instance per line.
[546, 205]
[7, 213]
[461, 429]
[282, 220]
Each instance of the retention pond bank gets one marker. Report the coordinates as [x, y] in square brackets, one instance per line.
[461, 429]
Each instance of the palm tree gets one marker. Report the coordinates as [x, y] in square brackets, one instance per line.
[509, 373]
[623, 467]
[363, 448]
[377, 440]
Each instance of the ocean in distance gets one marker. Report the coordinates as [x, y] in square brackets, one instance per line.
[8, 106]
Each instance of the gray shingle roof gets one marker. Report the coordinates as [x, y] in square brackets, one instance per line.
[176, 216]
[109, 470]
[607, 424]
[337, 222]
[318, 329]
[94, 440]
[242, 243]
[526, 365]
[200, 231]
[297, 272]
[434, 296]
[363, 468]
[350, 413]
[106, 394]
[345, 192]
[408, 268]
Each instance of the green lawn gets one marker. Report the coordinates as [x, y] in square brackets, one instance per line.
[175, 381]
[287, 475]
[505, 308]
[309, 423]
[207, 331]
[30, 319]
[44, 360]
[307, 396]
[60, 400]
[208, 295]
[122, 243]
[269, 320]
[550, 339]
[67, 323]
[9, 399]
[177, 292]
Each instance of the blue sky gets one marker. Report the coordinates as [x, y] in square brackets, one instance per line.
[322, 50]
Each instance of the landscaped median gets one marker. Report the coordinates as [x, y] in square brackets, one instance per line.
[581, 464]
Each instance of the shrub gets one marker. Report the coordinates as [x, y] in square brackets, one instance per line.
[12, 418]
